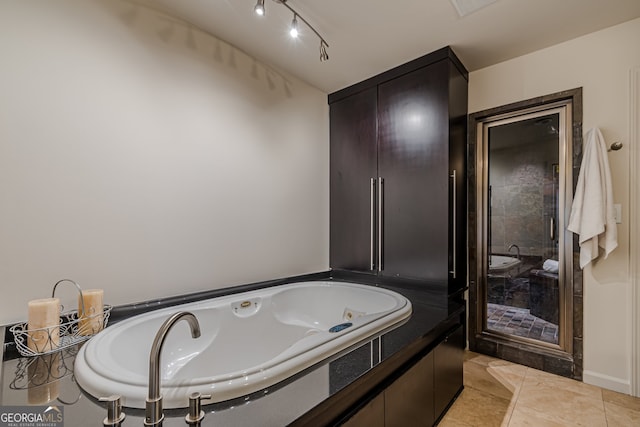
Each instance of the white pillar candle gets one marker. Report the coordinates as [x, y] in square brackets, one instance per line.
[92, 318]
[44, 374]
[43, 330]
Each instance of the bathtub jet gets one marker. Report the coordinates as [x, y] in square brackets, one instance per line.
[249, 341]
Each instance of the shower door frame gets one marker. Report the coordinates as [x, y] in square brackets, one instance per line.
[565, 358]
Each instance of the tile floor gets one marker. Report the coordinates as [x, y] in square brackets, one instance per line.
[498, 393]
[519, 322]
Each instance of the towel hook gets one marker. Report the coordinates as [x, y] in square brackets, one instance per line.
[615, 146]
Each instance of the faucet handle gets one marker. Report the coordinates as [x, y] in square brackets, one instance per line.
[196, 414]
[115, 416]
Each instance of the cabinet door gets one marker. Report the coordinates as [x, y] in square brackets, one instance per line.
[372, 415]
[409, 400]
[458, 165]
[413, 160]
[353, 165]
[448, 370]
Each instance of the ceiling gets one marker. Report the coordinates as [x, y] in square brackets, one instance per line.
[367, 37]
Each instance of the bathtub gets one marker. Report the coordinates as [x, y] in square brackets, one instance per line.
[501, 263]
[249, 341]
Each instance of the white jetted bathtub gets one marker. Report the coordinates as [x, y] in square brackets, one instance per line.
[500, 263]
[249, 341]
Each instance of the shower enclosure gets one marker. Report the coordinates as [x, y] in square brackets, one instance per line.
[522, 297]
[522, 204]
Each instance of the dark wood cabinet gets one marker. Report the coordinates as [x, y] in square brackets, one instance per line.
[371, 415]
[353, 164]
[398, 173]
[409, 400]
[448, 370]
[413, 162]
[421, 395]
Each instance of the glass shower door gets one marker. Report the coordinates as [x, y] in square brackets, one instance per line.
[523, 257]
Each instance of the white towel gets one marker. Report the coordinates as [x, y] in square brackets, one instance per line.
[592, 213]
[550, 265]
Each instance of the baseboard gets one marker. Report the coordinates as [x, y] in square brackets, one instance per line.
[605, 381]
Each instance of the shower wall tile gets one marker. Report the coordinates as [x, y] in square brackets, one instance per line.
[577, 316]
[522, 199]
[526, 232]
[486, 347]
[514, 353]
[498, 239]
[498, 196]
[578, 359]
[522, 194]
[558, 366]
[577, 271]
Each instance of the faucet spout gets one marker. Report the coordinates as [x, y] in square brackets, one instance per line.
[517, 249]
[154, 413]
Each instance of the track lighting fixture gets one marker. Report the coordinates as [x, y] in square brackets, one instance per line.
[259, 9]
[323, 51]
[294, 31]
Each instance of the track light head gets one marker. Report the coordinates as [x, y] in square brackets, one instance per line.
[293, 32]
[323, 51]
[259, 9]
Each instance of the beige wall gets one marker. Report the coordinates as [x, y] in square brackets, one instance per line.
[149, 159]
[600, 63]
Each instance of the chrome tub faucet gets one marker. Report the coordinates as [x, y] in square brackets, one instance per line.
[517, 250]
[153, 408]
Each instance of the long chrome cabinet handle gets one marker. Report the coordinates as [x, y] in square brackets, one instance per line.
[380, 223]
[455, 222]
[552, 229]
[372, 260]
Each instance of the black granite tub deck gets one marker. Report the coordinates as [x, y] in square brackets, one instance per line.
[324, 394]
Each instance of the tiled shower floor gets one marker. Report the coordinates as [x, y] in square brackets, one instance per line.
[519, 322]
